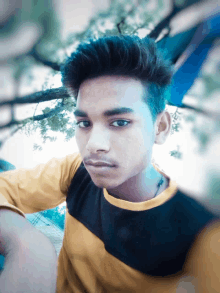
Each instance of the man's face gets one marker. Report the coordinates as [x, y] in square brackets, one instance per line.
[105, 134]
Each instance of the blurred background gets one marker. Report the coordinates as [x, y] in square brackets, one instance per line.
[36, 112]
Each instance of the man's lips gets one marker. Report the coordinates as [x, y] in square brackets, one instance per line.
[98, 163]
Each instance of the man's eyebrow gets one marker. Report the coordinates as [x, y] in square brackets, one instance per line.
[118, 111]
[107, 113]
[80, 113]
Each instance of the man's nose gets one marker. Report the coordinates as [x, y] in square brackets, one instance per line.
[98, 141]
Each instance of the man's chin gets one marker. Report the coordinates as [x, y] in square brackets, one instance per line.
[104, 184]
[101, 184]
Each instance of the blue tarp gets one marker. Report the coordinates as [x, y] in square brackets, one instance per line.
[195, 45]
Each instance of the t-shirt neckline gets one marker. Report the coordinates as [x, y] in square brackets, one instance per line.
[168, 193]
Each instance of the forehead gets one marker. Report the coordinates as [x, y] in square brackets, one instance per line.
[103, 93]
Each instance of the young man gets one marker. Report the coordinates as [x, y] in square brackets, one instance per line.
[128, 228]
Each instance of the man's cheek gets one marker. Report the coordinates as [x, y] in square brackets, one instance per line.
[81, 142]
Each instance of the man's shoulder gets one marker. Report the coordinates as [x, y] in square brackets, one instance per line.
[190, 209]
[189, 200]
[80, 179]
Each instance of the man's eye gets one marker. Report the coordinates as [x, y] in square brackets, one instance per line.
[120, 123]
[83, 124]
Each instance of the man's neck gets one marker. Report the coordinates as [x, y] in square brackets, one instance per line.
[141, 187]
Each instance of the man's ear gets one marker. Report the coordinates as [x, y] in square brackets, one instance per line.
[162, 127]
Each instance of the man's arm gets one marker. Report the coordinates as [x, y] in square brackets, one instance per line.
[30, 258]
[41, 188]
[203, 259]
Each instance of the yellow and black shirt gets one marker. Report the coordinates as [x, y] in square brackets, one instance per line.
[112, 245]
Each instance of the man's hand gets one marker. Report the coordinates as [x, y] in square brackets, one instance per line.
[30, 258]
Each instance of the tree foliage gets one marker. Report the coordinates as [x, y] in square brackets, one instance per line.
[47, 49]
[176, 118]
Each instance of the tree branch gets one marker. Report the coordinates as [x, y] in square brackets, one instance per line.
[54, 111]
[118, 25]
[163, 24]
[41, 59]
[47, 115]
[18, 127]
[166, 21]
[208, 113]
[38, 97]
[124, 18]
